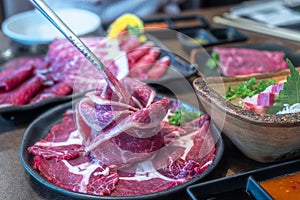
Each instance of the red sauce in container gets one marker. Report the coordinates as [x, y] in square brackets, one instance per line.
[284, 187]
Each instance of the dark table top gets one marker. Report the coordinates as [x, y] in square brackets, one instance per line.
[16, 183]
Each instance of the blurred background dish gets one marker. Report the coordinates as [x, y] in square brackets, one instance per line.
[32, 28]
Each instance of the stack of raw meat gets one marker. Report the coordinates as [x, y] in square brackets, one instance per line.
[243, 61]
[121, 144]
[64, 69]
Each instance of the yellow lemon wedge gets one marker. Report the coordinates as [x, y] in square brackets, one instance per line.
[127, 24]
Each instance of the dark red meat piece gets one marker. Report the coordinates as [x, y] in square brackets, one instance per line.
[134, 55]
[196, 144]
[68, 65]
[124, 150]
[23, 93]
[241, 61]
[177, 156]
[129, 43]
[148, 59]
[62, 142]
[141, 127]
[15, 78]
[168, 168]
[80, 175]
[139, 69]
[58, 89]
[133, 187]
[159, 68]
[140, 91]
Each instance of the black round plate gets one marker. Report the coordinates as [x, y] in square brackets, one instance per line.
[41, 126]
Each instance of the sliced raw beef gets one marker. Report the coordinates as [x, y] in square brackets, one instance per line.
[176, 162]
[147, 60]
[81, 174]
[259, 103]
[120, 142]
[99, 110]
[113, 96]
[56, 90]
[195, 145]
[134, 55]
[143, 95]
[69, 65]
[141, 127]
[159, 68]
[195, 124]
[131, 186]
[62, 142]
[129, 43]
[242, 61]
[139, 69]
[15, 78]
[23, 93]
[141, 154]
[64, 64]
[93, 120]
[179, 158]
[124, 150]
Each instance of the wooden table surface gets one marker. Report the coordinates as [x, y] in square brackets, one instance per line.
[15, 183]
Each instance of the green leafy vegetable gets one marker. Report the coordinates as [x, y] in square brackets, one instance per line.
[247, 88]
[133, 30]
[214, 61]
[181, 116]
[290, 94]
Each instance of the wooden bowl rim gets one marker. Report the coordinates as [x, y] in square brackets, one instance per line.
[271, 120]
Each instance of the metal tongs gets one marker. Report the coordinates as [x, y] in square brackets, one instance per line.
[43, 7]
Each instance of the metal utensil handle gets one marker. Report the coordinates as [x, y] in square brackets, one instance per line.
[42, 6]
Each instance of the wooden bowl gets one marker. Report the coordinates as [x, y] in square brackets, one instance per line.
[261, 137]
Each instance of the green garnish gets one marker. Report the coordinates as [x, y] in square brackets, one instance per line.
[248, 88]
[181, 116]
[197, 40]
[133, 30]
[213, 62]
[290, 94]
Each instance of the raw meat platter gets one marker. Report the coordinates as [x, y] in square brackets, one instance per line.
[267, 50]
[41, 126]
[17, 51]
[37, 59]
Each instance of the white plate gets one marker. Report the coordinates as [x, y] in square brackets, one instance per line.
[31, 27]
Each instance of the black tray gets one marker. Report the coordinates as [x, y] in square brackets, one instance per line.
[41, 126]
[179, 68]
[190, 37]
[188, 21]
[170, 22]
[200, 57]
[235, 187]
